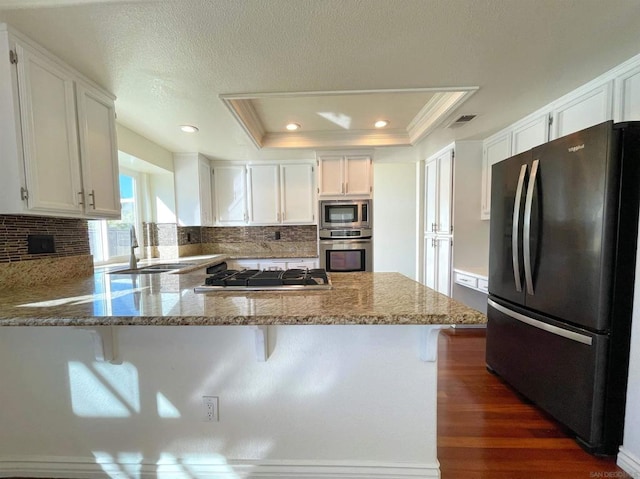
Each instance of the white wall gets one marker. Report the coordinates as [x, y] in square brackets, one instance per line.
[343, 395]
[394, 217]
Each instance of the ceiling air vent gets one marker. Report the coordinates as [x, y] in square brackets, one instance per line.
[461, 120]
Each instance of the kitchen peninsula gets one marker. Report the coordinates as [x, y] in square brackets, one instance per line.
[346, 386]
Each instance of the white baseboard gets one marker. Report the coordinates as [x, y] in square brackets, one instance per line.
[88, 468]
[628, 462]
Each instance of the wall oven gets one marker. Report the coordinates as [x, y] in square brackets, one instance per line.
[343, 214]
[346, 250]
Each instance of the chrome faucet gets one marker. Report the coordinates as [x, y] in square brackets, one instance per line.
[133, 262]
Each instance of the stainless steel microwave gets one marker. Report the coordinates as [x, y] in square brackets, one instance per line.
[345, 214]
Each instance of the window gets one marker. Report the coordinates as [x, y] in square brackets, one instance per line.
[110, 240]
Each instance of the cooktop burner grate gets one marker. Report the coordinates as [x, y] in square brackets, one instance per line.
[267, 280]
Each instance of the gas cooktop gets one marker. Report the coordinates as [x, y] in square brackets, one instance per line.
[267, 280]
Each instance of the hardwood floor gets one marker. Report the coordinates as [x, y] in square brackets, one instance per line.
[485, 430]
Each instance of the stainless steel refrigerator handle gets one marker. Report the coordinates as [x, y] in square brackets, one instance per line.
[526, 247]
[580, 338]
[514, 232]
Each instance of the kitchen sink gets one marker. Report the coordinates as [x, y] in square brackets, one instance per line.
[153, 268]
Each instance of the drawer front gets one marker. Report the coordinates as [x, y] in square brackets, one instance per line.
[483, 285]
[466, 280]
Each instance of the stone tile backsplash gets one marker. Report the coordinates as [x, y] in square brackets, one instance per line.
[71, 236]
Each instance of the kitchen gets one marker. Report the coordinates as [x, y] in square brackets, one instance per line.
[395, 176]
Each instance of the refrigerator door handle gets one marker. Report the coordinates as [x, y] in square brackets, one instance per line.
[515, 240]
[526, 247]
[573, 336]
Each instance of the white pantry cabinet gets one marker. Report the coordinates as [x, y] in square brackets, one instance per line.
[193, 189]
[344, 175]
[230, 195]
[58, 137]
[437, 263]
[281, 194]
[439, 194]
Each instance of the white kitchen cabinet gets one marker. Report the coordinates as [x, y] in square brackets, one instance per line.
[627, 94]
[98, 152]
[193, 189]
[230, 195]
[471, 280]
[582, 111]
[297, 184]
[340, 176]
[58, 140]
[495, 149]
[437, 263]
[281, 194]
[530, 134]
[439, 194]
[264, 194]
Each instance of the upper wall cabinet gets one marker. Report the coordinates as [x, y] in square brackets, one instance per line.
[230, 195]
[627, 95]
[529, 134]
[495, 149]
[584, 110]
[340, 176]
[57, 133]
[192, 177]
[281, 194]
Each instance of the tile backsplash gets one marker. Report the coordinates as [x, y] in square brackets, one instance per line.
[168, 240]
[71, 237]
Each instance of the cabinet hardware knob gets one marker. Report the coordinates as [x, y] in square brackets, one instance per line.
[24, 193]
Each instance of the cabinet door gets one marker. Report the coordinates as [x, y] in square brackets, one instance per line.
[230, 192]
[98, 153]
[49, 134]
[264, 197]
[206, 206]
[297, 187]
[533, 133]
[628, 96]
[430, 265]
[495, 149]
[431, 197]
[357, 175]
[445, 194]
[443, 261]
[331, 181]
[586, 110]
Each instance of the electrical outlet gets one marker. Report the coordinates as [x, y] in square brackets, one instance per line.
[210, 408]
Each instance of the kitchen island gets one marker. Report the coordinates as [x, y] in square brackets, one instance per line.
[334, 384]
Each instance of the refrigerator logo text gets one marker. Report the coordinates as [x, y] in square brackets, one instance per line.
[573, 149]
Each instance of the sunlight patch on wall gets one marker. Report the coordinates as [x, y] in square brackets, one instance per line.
[126, 465]
[166, 407]
[104, 390]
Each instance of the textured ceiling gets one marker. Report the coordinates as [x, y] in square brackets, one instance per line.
[167, 61]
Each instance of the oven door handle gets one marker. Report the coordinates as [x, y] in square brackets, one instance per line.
[346, 240]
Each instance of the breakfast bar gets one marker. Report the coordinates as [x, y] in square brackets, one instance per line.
[322, 383]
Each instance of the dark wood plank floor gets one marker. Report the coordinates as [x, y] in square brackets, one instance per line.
[485, 430]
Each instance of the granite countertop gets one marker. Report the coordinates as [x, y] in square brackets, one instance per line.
[169, 299]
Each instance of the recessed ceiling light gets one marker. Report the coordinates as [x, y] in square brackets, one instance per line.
[292, 126]
[381, 123]
[188, 128]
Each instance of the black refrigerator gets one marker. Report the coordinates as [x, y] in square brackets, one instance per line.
[563, 235]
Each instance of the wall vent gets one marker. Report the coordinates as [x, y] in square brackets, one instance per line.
[461, 120]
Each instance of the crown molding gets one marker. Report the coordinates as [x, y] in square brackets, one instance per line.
[430, 116]
[338, 139]
[436, 111]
